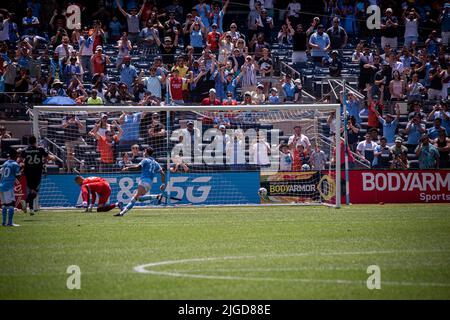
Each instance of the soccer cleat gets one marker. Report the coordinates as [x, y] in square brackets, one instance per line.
[31, 212]
[23, 204]
[120, 205]
[13, 225]
[121, 213]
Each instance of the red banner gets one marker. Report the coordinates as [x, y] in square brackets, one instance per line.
[421, 186]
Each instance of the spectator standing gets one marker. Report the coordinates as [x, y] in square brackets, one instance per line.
[299, 45]
[414, 129]
[107, 146]
[427, 154]
[30, 24]
[168, 49]
[433, 132]
[203, 11]
[288, 88]
[442, 143]
[382, 155]
[444, 19]
[128, 73]
[389, 25]
[130, 123]
[299, 138]
[132, 20]
[320, 44]
[156, 135]
[411, 19]
[337, 34]
[389, 124]
[260, 151]
[318, 158]
[399, 155]
[72, 137]
[86, 45]
[217, 14]
[366, 148]
[285, 158]
[440, 110]
[124, 48]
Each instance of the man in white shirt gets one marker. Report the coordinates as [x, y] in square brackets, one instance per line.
[219, 146]
[260, 151]
[299, 138]
[86, 45]
[4, 28]
[366, 148]
[190, 139]
[64, 50]
[236, 150]
[153, 82]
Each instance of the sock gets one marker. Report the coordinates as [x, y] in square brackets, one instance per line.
[147, 197]
[30, 198]
[10, 215]
[131, 204]
[106, 208]
[4, 212]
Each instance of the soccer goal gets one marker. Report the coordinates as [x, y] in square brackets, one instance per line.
[212, 155]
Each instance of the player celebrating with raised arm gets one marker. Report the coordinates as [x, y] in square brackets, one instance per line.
[33, 161]
[92, 186]
[149, 168]
[9, 172]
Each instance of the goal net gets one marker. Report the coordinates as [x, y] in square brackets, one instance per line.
[212, 155]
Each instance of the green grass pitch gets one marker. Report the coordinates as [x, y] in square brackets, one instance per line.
[287, 252]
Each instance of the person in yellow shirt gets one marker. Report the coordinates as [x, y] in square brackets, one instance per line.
[94, 98]
[183, 69]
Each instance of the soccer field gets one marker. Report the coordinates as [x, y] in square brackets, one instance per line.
[284, 252]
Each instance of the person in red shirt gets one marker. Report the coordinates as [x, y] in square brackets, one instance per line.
[106, 144]
[211, 100]
[299, 158]
[92, 186]
[176, 87]
[213, 38]
[375, 105]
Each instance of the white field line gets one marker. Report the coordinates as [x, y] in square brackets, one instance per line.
[145, 268]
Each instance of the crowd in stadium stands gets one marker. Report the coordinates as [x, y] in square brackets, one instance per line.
[152, 52]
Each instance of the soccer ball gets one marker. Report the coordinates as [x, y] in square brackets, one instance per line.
[306, 167]
[262, 192]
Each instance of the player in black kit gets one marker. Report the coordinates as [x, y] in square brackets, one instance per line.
[33, 161]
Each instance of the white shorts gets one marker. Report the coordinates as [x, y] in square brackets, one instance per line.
[6, 197]
[445, 35]
[391, 41]
[146, 184]
[299, 56]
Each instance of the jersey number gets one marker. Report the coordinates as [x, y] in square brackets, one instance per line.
[36, 159]
[6, 172]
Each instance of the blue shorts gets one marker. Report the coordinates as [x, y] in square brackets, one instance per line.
[146, 184]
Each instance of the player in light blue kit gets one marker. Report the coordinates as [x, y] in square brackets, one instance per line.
[149, 168]
[9, 172]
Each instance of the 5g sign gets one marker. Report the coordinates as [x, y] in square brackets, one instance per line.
[178, 191]
[374, 19]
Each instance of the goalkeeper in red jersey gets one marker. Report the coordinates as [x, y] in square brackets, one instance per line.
[92, 186]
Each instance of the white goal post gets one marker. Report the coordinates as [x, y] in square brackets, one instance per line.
[188, 155]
